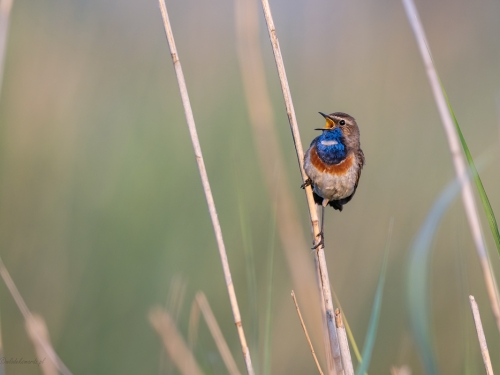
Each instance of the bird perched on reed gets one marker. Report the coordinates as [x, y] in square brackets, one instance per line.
[333, 163]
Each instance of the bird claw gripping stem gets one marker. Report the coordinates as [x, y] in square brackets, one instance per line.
[321, 241]
[306, 183]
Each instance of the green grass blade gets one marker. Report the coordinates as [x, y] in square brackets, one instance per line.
[418, 277]
[352, 341]
[479, 184]
[374, 319]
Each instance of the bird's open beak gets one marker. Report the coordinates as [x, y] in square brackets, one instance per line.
[329, 122]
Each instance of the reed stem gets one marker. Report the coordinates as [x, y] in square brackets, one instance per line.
[5, 8]
[38, 339]
[305, 332]
[268, 149]
[206, 186]
[480, 335]
[217, 335]
[457, 156]
[344, 343]
[320, 254]
[174, 344]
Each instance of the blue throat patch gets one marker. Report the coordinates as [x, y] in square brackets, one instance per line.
[330, 146]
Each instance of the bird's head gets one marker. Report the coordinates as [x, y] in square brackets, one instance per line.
[339, 123]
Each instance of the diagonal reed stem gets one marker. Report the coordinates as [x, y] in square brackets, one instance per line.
[206, 186]
[39, 340]
[261, 118]
[305, 332]
[480, 335]
[173, 342]
[457, 156]
[217, 335]
[320, 253]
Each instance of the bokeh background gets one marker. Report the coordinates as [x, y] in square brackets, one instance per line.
[102, 215]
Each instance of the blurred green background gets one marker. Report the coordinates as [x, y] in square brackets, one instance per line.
[101, 205]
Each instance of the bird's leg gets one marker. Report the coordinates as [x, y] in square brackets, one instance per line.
[307, 182]
[320, 234]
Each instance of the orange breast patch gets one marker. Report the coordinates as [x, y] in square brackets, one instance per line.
[336, 169]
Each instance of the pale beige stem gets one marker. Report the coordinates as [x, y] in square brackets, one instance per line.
[272, 165]
[403, 370]
[326, 335]
[480, 335]
[173, 342]
[457, 156]
[35, 335]
[36, 328]
[305, 332]
[194, 320]
[213, 326]
[5, 8]
[344, 344]
[206, 186]
[325, 282]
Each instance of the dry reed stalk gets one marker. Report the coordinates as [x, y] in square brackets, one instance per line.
[305, 332]
[173, 342]
[457, 156]
[326, 335]
[174, 304]
[262, 123]
[175, 297]
[344, 343]
[194, 322]
[5, 8]
[206, 186]
[224, 351]
[37, 338]
[403, 370]
[480, 335]
[36, 327]
[320, 253]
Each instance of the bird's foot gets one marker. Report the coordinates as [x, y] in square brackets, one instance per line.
[321, 241]
[307, 182]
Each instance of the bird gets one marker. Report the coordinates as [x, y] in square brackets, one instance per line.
[333, 163]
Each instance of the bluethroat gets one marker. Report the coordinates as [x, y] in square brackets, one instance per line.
[333, 163]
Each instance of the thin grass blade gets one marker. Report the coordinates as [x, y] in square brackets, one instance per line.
[418, 277]
[374, 319]
[488, 210]
[449, 125]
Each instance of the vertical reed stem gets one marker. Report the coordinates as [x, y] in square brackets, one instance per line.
[456, 154]
[480, 335]
[261, 116]
[5, 8]
[344, 343]
[206, 186]
[324, 278]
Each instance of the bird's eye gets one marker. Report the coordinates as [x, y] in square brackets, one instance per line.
[342, 122]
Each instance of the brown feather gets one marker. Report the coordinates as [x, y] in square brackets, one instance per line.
[336, 169]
